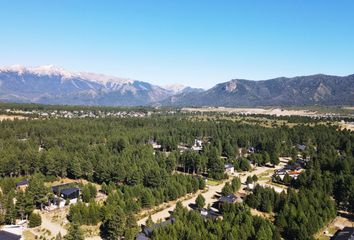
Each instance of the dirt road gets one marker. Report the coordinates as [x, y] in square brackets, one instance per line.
[209, 195]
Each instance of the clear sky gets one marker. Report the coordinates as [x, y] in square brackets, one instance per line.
[197, 43]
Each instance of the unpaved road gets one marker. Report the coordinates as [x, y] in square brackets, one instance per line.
[212, 190]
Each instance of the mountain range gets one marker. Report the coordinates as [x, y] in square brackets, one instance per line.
[53, 85]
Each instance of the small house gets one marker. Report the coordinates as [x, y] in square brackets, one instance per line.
[147, 231]
[346, 233]
[66, 192]
[9, 236]
[209, 213]
[229, 168]
[22, 185]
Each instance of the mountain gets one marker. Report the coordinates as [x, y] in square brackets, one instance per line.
[298, 91]
[180, 88]
[53, 85]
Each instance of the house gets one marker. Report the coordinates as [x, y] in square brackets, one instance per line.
[22, 185]
[251, 150]
[301, 147]
[231, 198]
[9, 236]
[155, 145]
[147, 231]
[229, 168]
[66, 192]
[250, 186]
[346, 233]
[198, 145]
[209, 213]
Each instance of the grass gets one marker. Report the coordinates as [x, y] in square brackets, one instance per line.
[212, 182]
[28, 235]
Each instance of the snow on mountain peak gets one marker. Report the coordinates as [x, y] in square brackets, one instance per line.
[175, 87]
[52, 70]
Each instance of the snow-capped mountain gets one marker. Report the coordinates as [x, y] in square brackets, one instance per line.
[180, 88]
[53, 85]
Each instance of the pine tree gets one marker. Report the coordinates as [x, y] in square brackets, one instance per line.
[74, 233]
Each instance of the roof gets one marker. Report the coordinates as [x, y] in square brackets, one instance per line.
[9, 236]
[229, 165]
[346, 234]
[148, 230]
[231, 198]
[60, 187]
[22, 183]
[69, 191]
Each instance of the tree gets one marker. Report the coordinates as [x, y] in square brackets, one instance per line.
[149, 221]
[235, 184]
[132, 228]
[227, 189]
[274, 159]
[200, 201]
[37, 190]
[114, 227]
[74, 233]
[35, 220]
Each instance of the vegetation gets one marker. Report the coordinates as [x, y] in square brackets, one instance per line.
[35, 220]
[117, 154]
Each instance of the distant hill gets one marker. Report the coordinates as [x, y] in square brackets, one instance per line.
[298, 91]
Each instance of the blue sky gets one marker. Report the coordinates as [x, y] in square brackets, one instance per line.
[197, 43]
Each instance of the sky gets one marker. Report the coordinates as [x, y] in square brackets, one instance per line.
[197, 43]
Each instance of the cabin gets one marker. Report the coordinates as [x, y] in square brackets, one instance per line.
[209, 214]
[198, 145]
[346, 233]
[301, 147]
[22, 185]
[229, 168]
[147, 231]
[9, 236]
[66, 192]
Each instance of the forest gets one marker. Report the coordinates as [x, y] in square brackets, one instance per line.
[117, 154]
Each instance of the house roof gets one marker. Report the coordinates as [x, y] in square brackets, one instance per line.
[229, 165]
[60, 187]
[22, 183]
[346, 234]
[148, 230]
[69, 191]
[9, 236]
[231, 198]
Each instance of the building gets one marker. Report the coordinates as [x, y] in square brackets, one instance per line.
[229, 168]
[66, 192]
[9, 236]
[346, 233]
[209, 213]
[147, 231]
[22, 186]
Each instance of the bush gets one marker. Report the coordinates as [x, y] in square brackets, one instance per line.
[35, 220]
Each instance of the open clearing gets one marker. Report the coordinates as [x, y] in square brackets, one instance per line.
[265, 111]
[12, 117]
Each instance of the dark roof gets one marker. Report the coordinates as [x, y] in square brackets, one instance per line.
[148, 230]
[56, 188]
[209, 213]
[69, 191]
[346, 234]
[231, 198]
[141, 236]
[9, 236]
[22, 183]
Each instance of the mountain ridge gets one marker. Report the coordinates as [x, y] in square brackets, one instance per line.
[318, 89]
[53, 85]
